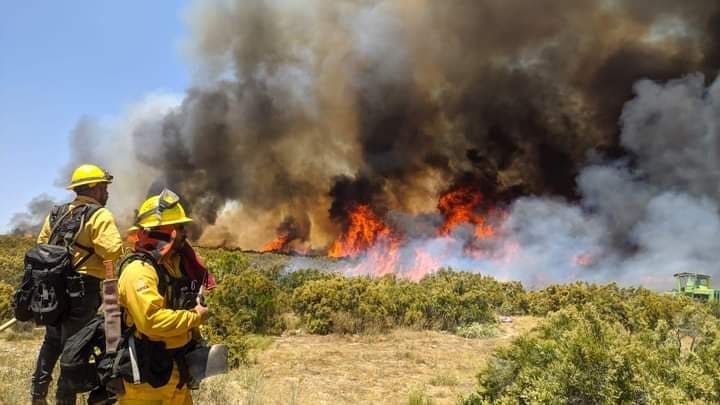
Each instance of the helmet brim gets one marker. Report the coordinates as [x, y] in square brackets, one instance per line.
[86, 182]
[157, 223]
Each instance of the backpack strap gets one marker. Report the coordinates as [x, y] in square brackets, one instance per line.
[163, 277]
[55, 221]
[60, 214]
[90, 210]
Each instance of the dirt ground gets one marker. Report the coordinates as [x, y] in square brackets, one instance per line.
[310, 369]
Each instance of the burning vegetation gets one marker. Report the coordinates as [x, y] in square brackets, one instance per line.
[290, 236]
[461, 206]
[366, 234]
[364, 230]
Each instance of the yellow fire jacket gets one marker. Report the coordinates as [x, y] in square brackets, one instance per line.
[145, 307]
[99, 232]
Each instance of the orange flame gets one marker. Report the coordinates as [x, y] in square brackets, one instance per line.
[384, 252]
[364, 230]
[459, 206]
[382, 259]
[279, 244]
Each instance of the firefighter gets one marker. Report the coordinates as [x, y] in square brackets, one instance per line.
[97, 239]
[158, 289]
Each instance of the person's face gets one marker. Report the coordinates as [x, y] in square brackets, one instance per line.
[101, 193]
[180, 236]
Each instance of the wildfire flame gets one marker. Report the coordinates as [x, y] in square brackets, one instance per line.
[384, 251]
[460, 206]
[291, 234]
[279, 244]
[363, 231]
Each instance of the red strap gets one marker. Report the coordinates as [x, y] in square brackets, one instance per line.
[195, 268]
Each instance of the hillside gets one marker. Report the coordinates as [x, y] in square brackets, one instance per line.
[309, 335]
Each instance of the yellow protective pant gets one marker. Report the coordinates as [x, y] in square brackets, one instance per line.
[144, 394]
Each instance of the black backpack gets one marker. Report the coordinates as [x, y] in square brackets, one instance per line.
[50, 279]
[87, 367]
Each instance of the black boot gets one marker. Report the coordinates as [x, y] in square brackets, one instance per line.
[48, 356]
[38, 392]
[100, 396]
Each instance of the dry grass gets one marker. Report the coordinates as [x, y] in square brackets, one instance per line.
[17, 361]
[19, 347]
[18, 352]
[395, 368]
[377, 369]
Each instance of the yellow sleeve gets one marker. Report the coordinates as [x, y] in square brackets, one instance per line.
[138, 288]
[105, 235]
[44, 235]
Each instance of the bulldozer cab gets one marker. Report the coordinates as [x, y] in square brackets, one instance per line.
[695, 285]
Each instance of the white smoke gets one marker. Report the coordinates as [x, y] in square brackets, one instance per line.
[673, 129]
[114, 144]
[678, 233]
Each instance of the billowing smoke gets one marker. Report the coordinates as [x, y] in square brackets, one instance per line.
[298, 98]
[305, 109]
[635, 221]
[109, 143]
[30, 222]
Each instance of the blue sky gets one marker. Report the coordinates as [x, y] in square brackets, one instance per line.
[60, 61]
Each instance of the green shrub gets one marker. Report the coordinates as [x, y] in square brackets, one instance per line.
[419, 397]
[12, 252]
[635, 308]
[582, 354]
[318, 301]
[248, 301]
[555, 297]
[6, 292]
[295, 279]
[443, 301]
[450, 299]
[352, 305]
[715, 308]
[477, 330]
[222, 262]
[229, 335]
[444, 380]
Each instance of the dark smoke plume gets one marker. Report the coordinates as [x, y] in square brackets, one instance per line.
[348, 192]
[30, 222]
[300, 99]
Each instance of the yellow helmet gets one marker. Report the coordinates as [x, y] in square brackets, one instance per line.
[162, 209]
[89, 175]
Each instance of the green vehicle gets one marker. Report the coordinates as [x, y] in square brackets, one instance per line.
[695, 285]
